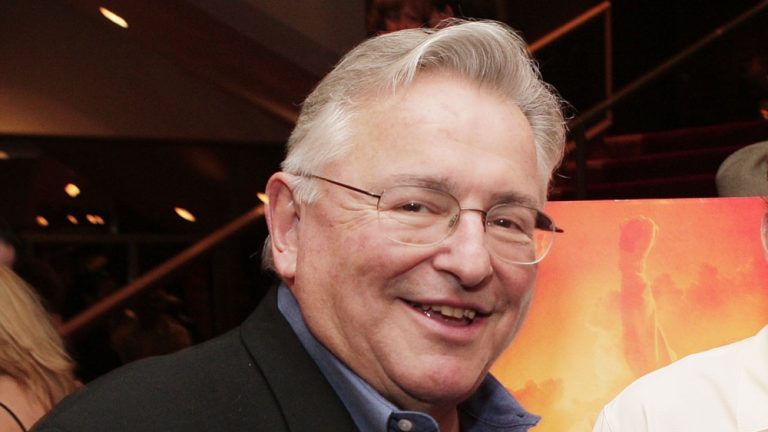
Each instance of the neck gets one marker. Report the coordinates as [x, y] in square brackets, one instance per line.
[448, 421]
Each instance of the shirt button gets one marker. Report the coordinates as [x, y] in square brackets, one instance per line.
[404, 425]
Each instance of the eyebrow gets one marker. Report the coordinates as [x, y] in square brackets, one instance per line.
[439, 183]
[447, 185]
[516, 198]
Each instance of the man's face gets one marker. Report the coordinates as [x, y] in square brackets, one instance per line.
[363, 295]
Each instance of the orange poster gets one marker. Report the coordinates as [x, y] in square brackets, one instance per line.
[629, 287]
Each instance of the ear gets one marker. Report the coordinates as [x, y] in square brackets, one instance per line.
[283, 218]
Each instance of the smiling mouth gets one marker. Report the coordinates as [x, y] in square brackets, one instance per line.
[454, 315]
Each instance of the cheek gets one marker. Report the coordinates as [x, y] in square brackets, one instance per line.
[379, 262]
[366, 252]
[341, 253]
[519, 281]
[518, 295]
[516, 291]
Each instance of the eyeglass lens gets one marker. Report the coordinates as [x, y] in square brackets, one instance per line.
[421, 216]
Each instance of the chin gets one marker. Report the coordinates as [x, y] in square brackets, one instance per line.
[445, 384]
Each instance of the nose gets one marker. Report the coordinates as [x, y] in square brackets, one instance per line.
[464, 253]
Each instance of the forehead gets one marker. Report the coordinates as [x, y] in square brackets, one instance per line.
[446, 127]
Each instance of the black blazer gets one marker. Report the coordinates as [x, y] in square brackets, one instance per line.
[257, 377]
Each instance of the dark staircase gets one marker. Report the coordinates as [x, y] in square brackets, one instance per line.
[679, 163]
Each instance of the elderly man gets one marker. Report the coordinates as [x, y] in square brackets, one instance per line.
[406, 227]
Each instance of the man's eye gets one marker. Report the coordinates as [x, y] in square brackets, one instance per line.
[413, 207]
[507, 224]
[504, 223]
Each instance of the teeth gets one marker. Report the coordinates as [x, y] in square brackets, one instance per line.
[450, 312]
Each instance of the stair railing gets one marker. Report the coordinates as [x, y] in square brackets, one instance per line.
[602, 9]
[160, 273]
[577, 129]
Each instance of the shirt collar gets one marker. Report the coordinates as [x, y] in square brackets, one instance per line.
[493, 408]
[753, 394]
[490, 408]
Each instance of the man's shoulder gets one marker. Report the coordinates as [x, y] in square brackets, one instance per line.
[199, 365]
[182, 391]
[704, 371]
[694, 373]
[257, 377]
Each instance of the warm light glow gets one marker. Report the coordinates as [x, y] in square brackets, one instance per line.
[94, 219]
[43, 222]
[4, 155]
[72, 190]
[115, 18]
[185, 214]
[263, 197]
[72, 219]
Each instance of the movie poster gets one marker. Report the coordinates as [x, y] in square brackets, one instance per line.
[629, 287]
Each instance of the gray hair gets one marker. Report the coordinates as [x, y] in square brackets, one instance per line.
[486, 52]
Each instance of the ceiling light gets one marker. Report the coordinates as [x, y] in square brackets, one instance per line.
[43, 222]
[184, 214]
[4, 155]
[263, 197]
[72, 219]
[72, 190]
[115, 18]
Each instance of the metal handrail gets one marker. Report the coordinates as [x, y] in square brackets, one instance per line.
[590, 133]
[159, 273]
[554, 35]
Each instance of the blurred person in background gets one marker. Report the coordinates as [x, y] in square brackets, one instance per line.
[151, 327]
[9, 243]
[386, 16]
[34, 271]
[35, 370]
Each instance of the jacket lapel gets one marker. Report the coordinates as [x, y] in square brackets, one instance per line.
[307, 400]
